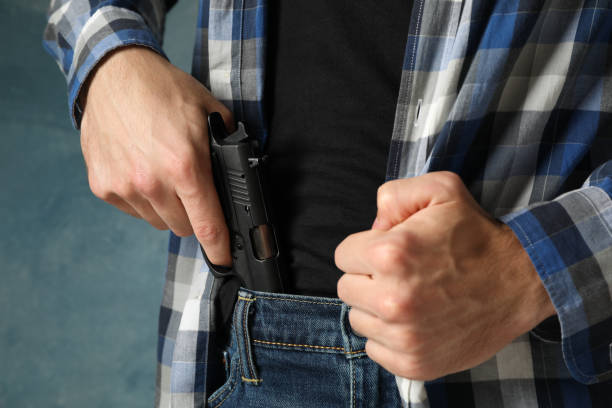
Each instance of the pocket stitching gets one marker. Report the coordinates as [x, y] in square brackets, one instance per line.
[231, 382]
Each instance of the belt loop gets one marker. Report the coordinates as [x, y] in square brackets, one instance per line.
[248, 371]
[353, 343]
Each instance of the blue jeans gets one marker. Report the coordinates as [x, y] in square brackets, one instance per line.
[298, 351]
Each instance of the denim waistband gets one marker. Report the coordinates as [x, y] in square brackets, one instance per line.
[293, 350]
[296, 322]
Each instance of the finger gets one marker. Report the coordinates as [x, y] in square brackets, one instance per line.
[201, 202]
[366, 324]
[361, 292]
[382, 298]
[170, 209]
[350, 253]
[392, 335]
[146, 212]
[397, 200]
[116, 201]
[397, 363]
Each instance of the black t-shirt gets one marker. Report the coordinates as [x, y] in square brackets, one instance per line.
[333, 77]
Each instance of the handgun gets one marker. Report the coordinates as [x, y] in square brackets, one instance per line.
[237, 167]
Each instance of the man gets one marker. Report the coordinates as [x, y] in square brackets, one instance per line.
[512, 96]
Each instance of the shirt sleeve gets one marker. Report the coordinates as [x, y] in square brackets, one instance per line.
[79, 33]
[569, 240]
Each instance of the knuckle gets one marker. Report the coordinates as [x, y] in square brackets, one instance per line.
[385, 196]
[409, 244]
[183, 167]
[398, 306]
[195, 126]
[341, 287]
[101, 190]
[449, 181]
[387, 257]
[339, 257]
[208, 233]
[391, 308]
[124, 189]
[98, 189]
[146, 184]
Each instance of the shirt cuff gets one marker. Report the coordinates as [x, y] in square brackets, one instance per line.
[569, 241]
[109, 28]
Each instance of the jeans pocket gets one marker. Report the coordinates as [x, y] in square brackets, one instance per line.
[232, 378]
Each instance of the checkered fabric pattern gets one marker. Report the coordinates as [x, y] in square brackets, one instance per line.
[515, 96]
[79, 33]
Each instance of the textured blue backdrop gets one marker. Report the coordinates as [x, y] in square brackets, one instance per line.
[80, 282]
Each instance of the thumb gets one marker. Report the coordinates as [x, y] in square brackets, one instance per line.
[397, 200]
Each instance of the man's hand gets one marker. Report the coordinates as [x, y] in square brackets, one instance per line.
[145, 141]
[437, 286]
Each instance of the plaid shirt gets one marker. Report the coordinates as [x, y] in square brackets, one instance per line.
[513, 95]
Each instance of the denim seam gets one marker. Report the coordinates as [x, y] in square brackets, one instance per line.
[246, 340]
[352, 366]
[227, 396]
[253, 380]
[237, 339]
[247, 345]
[296, 300]
[276, 343]
[231, 383]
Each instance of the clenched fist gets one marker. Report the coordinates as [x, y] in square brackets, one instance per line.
[145, 142]
[437, 286]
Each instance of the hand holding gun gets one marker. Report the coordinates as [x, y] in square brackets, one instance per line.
[238, 178]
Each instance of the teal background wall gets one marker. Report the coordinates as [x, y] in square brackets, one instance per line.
[80, 283]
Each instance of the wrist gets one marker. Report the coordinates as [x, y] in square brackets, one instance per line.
[113, 68]
[533, 304]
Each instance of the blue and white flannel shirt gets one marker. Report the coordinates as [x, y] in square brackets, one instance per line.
[515, 96]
